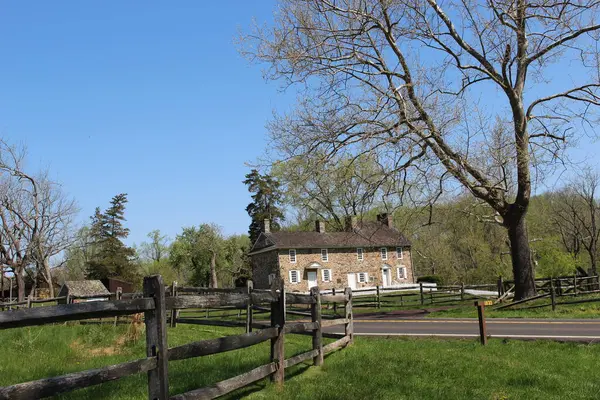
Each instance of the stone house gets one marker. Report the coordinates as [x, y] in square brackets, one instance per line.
[366, 254]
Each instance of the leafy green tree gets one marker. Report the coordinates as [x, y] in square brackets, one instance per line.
[237, 266]
[266, 201]
[78, 254]
[334, 190]
[157, 248]
[188, 259]
[113, 257]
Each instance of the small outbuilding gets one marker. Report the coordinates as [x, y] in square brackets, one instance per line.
[81, 291]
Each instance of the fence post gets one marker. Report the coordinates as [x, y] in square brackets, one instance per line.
[334, 304]
[552, 294]
[575, 283]
[349, 326]
[559, 287]
[500, 287]
[278, 320]
[317, 334]
[249, 287]
[173, 310]
[29, 301]
[481, 317]
[156, 338]
[118, 296]
[378, 297]
[421, 290]
[462, 291]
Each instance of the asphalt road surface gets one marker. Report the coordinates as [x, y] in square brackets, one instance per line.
[579, 330]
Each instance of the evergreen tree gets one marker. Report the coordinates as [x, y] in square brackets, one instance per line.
[266, 200]
[113, 257]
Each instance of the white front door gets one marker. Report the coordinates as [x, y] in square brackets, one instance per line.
[385, 274]
[352, 281]
[311, 277]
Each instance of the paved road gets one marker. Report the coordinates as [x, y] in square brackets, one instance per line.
[588, 330]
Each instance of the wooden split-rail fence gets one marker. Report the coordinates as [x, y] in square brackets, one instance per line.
[551, 289]
[155, 303]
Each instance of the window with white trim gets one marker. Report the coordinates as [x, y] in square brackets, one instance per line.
[384, 253]
[271, 279]
[399, 253]
[401, 272]
[363, 277]
[326, 275]
[359, 253]
[324, 255]
[294, 276]
[292, 255]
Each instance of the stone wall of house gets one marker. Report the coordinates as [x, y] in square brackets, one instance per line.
[342, 262]
[263, 264]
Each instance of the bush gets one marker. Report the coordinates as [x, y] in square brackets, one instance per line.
[431, 279]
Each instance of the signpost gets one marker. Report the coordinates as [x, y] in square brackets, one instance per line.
[480, 304]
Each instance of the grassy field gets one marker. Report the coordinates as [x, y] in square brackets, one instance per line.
[397, 368]
[40, 352]
[372, 368]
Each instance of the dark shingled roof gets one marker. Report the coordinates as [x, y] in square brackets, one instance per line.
[368, 234]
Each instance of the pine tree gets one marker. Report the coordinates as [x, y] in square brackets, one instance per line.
[266, 200]
[113, 258]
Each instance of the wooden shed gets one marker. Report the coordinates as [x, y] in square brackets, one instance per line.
[80, 291]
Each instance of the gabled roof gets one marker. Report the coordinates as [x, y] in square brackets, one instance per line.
[85, 288]
[367, 234]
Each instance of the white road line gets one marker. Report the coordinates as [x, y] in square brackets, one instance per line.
[488, 321]
[476, 335]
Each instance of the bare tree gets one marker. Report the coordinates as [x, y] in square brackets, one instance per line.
[36, 220]
[576, 212]
[436, 88]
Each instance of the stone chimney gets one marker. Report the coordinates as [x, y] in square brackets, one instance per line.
[266, 226]
[320, 226]
[350, 223]
[385, 219]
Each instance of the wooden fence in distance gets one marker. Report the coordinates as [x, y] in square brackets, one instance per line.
[154, 304]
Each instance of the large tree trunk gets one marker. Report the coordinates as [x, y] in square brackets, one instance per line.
[48, 277]
[593, 259]
[521, 257]
[213, 271]
[20, 285]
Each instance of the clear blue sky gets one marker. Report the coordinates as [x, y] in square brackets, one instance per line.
[147, 98]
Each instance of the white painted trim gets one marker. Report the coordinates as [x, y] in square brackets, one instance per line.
[298, 276]
[381, 253]
[362, 253]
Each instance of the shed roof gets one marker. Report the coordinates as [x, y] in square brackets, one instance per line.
[366, 234]
[85, 288]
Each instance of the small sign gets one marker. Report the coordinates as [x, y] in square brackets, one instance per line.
[484, 303]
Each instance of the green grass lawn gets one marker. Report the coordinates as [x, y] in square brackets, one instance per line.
[396, 368]
[40, 352]
[372, 368]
